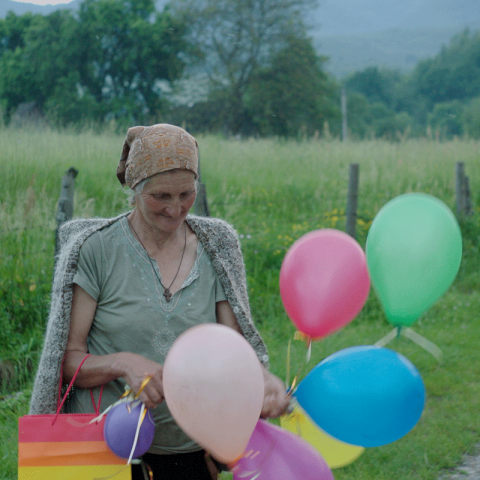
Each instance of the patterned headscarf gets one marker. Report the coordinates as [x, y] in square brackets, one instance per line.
[156, 149]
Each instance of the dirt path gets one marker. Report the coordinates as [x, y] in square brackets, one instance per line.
[469, 470]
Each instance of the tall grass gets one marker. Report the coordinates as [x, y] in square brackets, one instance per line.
[273, 192]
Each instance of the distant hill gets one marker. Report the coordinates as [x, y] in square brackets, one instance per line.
[348, 17]
[19, 8]
[388, 33]
[398, 48]
[360, 33]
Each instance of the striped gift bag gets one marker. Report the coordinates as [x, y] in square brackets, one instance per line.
[71, 448]
[66, 446]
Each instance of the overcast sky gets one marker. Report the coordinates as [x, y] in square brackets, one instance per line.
[45, 2]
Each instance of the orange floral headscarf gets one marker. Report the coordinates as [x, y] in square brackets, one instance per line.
[156, 149]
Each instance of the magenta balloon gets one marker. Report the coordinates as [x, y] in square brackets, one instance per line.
[274, 453]
[120, 428]
[324, 282]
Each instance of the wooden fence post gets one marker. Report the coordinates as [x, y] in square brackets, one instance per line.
[460, 188]
[201, 205]
[468, 197]
[65, 203]
[462, 191]
[352, 199]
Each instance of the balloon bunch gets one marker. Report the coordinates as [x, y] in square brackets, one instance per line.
[359, 397]
[214, 389]
[366, 396]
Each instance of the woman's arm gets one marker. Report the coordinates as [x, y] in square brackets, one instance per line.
[275, 400]
[100, 369]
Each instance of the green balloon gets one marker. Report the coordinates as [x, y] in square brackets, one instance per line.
[414, 250]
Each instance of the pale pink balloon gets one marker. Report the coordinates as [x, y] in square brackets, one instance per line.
[324, 282]
[214, 388]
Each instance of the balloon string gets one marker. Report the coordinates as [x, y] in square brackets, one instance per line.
[421, 341]
[287, 374]
[297, 336]
[309, 350]
[127, 397]
[290, 386]
[387, 338]
[399, 331]
[143, 385]
[297, 424]
[427, 345]
[141, 417]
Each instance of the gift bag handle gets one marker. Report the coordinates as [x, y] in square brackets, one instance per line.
[59, 407]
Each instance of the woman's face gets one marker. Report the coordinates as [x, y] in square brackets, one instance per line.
[166, 200]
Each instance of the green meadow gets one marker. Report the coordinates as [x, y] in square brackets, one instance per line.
[273, 192]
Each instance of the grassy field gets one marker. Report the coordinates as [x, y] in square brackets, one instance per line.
[272, 192]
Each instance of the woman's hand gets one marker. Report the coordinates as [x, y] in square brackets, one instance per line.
[275, 400]
[135, 369]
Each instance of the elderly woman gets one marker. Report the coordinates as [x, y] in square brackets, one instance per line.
[126, 288]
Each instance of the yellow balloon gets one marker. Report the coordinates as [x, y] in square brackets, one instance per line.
[336, 453]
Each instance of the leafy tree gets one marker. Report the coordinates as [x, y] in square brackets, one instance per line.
[387, 124]
[454, 74]
[293, 95]
[376, 85]
[471, 118]
[70, 104]
[359, 115]
[36, 52]
[13, 29]
[133, 52]
[447, 119]
[376, 120]
[236, 38]
[112, 61]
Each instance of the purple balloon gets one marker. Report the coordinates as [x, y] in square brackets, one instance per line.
[121, 425]
[274, 453]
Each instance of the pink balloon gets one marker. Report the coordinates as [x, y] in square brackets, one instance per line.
[274, 453]
[324, 282]
[214, 388]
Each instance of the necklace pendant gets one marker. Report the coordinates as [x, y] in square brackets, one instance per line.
[167, 295]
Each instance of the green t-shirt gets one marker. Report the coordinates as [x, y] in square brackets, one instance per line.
[132, 315]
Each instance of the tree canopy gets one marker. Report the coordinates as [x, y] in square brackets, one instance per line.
[111, 61]
[238, 66]
[438, 95]
[237, 39]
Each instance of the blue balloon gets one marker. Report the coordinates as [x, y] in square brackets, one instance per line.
[365, 395]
